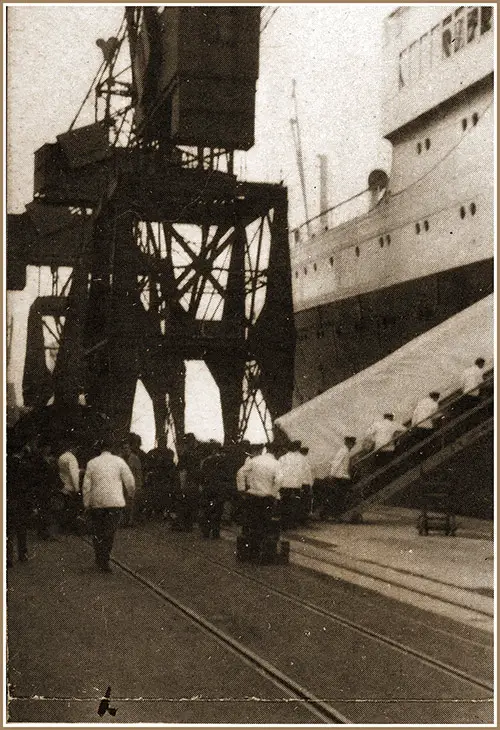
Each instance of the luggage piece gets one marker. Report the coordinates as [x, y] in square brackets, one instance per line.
[268, 551]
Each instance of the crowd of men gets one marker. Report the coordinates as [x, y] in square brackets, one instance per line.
[49, 490]
[386, 438]
[123, 486]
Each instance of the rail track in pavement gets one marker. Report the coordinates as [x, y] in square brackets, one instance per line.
[472, 688]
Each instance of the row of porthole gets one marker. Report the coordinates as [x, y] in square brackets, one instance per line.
[419, 227]
[427, 144]
[422, 313]
[383, 240]
[427, 141]
[472, 209]
[475, 119]
[422, 226]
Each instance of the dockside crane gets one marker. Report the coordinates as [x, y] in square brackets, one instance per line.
[173, 257]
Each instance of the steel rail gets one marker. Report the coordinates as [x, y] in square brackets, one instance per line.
[321, 709]
[363, 630]
[360, 572]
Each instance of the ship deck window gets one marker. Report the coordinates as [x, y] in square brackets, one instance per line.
[296, 274]
[388, 240]
[315, 267]
[459, 40]
[486, 18]
[473, 208]
[447, 38]
[462, 212]
[417, 227]
[426, 225]
[305, 270]
[427, 144]
[404, 67]
[419, 148]
[464, 124]
[357, 250]
[475, 118]
[381, 241]
[331, 261]
[472, 22]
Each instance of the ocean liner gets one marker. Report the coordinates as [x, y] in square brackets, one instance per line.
[423, 249]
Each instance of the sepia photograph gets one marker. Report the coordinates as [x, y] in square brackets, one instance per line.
[249, 337]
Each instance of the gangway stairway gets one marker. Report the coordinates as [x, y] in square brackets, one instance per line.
[435, 360]
[462, 423]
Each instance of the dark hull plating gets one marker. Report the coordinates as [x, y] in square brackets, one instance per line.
[339, 339]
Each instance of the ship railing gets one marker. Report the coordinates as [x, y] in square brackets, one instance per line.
[343, 212]
[369, 486]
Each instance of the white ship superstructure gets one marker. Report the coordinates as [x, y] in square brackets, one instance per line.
[424, 249]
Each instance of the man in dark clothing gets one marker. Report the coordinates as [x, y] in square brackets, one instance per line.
[188, 498]
[19, 504]
[213, 492]
[159, 487]
[46, 488]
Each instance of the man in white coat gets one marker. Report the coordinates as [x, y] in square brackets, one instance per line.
[69, 474]
[106, 478]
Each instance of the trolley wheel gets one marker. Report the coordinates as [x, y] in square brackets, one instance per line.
[422, 526]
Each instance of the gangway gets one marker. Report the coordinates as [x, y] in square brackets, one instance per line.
[435, 360]
[459, 430]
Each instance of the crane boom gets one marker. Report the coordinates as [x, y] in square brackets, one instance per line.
[294, 124]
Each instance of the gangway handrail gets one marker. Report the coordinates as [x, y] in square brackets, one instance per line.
[426, 467]
[434, 436]
[443, 408]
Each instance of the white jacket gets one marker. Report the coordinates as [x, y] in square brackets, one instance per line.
[105, 479]
[69, 472]
[260, 476]
[294, 471]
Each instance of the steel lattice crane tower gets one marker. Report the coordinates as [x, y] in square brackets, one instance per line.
[173, 257]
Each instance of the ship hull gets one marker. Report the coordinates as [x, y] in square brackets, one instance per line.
[339, 339]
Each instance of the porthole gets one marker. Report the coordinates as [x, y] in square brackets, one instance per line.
[426, 225]
[427, 144]
[475, 118]
[381, 241]
[473, 208]
[331, 261]
[417, 228]
[419, 148]
[464, 124]
[315, 267]
[357, 250]
[462, 212]
[388, 239]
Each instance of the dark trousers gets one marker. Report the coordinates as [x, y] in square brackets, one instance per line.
[416, 436]
[16, 530]
[258, 522]
[69, 513]
[211, 510]
[187, 509]
[306, 498]
[45, 519]
[104, 523]
[291, 508]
